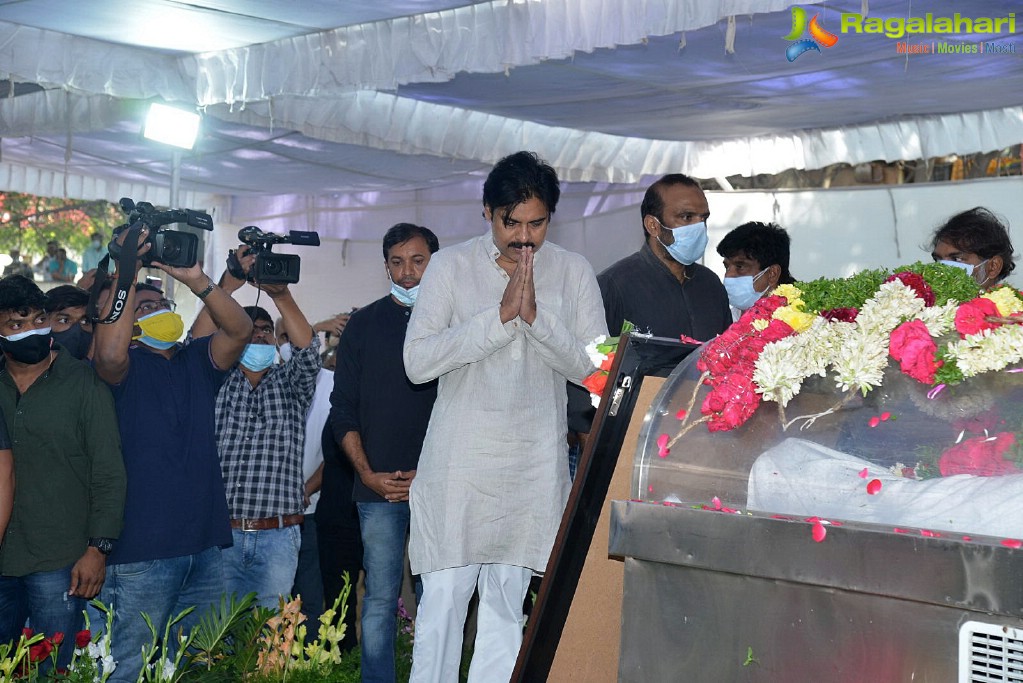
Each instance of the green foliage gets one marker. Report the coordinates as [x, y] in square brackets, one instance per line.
[947, 282]
[228, 631]
[28, 222]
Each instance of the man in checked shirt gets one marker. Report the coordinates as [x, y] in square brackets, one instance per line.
[260, 417]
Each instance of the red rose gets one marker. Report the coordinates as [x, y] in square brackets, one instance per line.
[596, 382]
[982, 456]
[842, 315]
[82, 639]
[917, 284]
[57, 638]
[971, 316]
[606, 365]
[40, 651]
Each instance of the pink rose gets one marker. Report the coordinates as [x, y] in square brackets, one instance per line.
[971, 316]
[912, 346]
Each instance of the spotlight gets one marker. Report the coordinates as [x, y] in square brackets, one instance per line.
[171, 126]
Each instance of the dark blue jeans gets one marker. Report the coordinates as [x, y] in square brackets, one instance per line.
[161, 589]
[42, 599]
[384, 529]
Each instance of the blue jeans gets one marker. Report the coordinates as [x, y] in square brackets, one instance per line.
[384, 529]
[161, 589]
[42, 599]
[263, 562]
[308, 582]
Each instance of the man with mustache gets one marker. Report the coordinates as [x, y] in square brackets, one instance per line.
[502, 320]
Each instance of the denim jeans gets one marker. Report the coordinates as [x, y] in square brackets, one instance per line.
[384, 529]
[263, 562]
[160, 589]
[308, 582]
[42, 599]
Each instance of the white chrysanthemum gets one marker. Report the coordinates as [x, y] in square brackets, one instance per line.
[860, 360]
[939, 319]
[168, 669]
[892, 304]
[988, 350]
[783, 365]
[596, 357]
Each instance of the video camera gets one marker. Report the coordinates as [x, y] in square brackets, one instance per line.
[170, 247]
[270, 268]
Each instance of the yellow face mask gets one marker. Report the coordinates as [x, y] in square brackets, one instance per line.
[161, 326]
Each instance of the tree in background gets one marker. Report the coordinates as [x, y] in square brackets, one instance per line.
[28, 222]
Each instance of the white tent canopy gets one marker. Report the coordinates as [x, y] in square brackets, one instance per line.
[346, 117]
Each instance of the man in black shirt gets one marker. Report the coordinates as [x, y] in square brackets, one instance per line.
[379, 418]
[661, 288]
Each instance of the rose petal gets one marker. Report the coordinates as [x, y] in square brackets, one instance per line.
[874, 486]
[716, 502]
[863, 473]
[900, 531]
[967, 538]
[819, 532]
[885, 415]
[1012, 543]
[681, 414]
[929, 534]
[935, 391]
[662, 443]
[874, 421]
[650, 489]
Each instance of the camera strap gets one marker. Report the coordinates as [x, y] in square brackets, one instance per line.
[127, 254]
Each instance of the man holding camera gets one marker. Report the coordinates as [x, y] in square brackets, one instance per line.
[260, 415]
[168, 557]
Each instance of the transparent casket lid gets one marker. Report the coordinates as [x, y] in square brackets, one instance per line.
[904, 456]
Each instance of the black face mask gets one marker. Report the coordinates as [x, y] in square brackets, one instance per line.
[29, 350]
[75, 339]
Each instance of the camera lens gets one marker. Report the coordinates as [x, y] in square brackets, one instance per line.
[272, 267]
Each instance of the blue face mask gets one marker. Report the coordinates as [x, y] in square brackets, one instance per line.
[258, 357]
[741, 293]
[406, 297]
[690, 242]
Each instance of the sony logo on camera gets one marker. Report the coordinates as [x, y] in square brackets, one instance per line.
[173, 248]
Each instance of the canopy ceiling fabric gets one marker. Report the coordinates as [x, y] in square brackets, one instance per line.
[322, 97]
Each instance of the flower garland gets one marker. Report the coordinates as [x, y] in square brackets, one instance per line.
[849, 328]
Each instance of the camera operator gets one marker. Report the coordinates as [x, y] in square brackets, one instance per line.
[261, 411]
[168, 557]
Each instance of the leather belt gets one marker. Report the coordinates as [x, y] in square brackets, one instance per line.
[278, 522]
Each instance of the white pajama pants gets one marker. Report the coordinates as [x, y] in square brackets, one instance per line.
[440, 620]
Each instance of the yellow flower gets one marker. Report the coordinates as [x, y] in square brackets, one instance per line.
[760, 324]
[796, 319]
[790, 292]
[1005, 299]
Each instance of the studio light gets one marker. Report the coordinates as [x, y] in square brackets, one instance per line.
[171, 126]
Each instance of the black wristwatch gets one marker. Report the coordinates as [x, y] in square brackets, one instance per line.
[104, 545]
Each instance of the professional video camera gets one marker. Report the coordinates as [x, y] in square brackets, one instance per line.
[271, 268]
[170, 247]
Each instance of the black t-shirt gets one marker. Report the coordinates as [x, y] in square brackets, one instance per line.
[5, 440]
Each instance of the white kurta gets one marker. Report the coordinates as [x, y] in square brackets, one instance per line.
[493, 475]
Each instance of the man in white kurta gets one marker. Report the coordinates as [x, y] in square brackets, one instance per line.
[502, 320]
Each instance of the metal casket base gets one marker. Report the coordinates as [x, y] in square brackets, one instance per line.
[715, 597]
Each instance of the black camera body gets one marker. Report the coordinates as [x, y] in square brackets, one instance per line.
[173, 248]
[271, 268]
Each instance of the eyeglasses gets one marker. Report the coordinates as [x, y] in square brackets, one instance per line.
[147, 307]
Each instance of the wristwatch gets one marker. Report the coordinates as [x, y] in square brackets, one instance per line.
[104, 545]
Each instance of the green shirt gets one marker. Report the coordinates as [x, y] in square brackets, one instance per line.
[69, 475]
